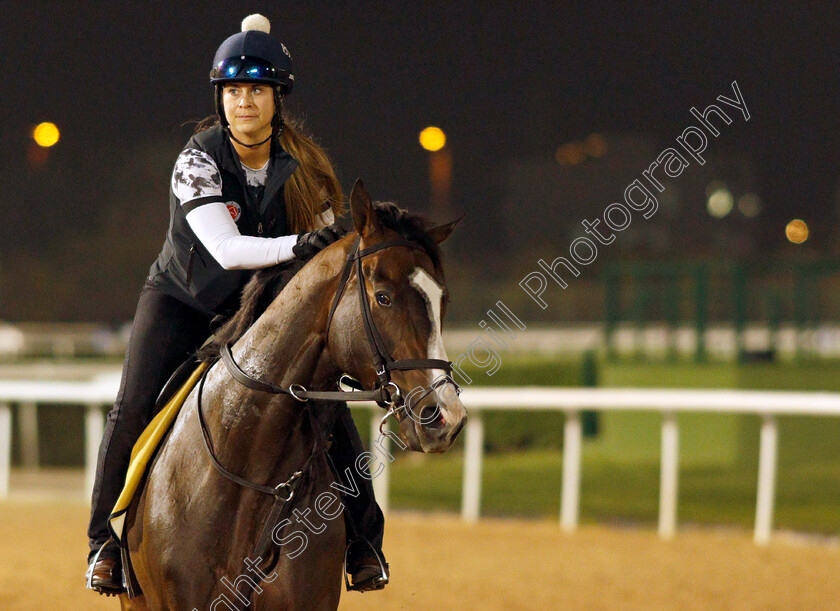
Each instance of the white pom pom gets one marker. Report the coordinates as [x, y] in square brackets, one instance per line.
[256, 22]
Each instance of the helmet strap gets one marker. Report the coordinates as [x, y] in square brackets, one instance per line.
[277, 121]
[250, 146]
[220, 108]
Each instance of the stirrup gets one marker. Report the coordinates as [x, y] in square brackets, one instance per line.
[89, 572]
[378, 582]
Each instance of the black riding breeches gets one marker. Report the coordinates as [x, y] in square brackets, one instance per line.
[164, 334]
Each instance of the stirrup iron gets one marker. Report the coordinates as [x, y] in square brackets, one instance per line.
[92, 563]
[380, 582]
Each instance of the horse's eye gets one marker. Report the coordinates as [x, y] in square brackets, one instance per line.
[383, 299]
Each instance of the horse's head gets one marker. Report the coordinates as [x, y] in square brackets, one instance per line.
[406, 296]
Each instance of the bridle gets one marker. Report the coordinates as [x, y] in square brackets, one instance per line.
[383, 361]
[385, 393]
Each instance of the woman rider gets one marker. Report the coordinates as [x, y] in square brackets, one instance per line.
[249, 192]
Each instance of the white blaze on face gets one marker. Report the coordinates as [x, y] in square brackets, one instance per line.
[432, 294]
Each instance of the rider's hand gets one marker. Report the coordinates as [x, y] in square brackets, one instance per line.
[309, 244]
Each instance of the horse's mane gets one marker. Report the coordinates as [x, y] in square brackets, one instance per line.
[267, 283]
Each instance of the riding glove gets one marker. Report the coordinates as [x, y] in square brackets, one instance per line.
[309, 244]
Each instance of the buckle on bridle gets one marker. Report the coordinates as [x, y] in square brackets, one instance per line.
[395, 404]
[288, 485]
[292, 392]
[388, 399]
[279, 488]
[392, 411]
[393, 397]
[348, 381]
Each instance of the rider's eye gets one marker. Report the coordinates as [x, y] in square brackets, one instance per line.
[383, 299]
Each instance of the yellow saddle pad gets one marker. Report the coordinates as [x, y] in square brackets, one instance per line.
[145, 448]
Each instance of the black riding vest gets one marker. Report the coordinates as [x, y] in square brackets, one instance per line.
[185, 269]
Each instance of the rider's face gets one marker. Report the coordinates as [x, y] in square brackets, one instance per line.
[249, 108]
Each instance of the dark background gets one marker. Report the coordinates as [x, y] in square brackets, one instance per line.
[508, 83]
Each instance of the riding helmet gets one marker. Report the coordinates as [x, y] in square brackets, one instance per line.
[253, 56]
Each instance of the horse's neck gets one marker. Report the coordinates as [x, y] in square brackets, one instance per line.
[285, 346]
[287, 341]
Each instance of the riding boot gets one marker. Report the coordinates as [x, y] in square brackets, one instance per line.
[104, 573]
[363, 517]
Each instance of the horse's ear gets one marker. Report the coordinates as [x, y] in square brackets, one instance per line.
[441, 232]
[364, 216]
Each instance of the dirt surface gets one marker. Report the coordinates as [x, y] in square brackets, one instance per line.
[440, 563]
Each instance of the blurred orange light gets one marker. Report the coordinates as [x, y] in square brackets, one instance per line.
[432, 138]
[797, 231]
[595, 145]
[46, 134]
[571, 153]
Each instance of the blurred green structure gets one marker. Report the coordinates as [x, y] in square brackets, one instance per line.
[680, 293]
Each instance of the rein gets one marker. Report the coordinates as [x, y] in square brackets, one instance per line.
[384, 363]
[282, 493]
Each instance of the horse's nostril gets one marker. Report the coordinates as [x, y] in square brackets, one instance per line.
[432, 417]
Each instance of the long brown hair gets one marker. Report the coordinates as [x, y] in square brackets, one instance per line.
[313, 182]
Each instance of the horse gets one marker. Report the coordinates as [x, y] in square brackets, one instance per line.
[191, 532]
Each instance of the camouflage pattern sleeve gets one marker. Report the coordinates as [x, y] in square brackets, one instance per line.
[196, 177]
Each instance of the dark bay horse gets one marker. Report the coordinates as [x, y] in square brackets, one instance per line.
[192, 531]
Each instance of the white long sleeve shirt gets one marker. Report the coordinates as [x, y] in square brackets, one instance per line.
[196, 176]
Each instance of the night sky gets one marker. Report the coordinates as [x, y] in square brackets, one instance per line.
[504, 80]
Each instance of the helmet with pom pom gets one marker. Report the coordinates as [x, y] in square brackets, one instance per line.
[253, 56]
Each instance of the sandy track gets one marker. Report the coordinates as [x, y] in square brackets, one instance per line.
[439, 563]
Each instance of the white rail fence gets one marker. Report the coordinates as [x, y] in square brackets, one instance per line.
[767, 404]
